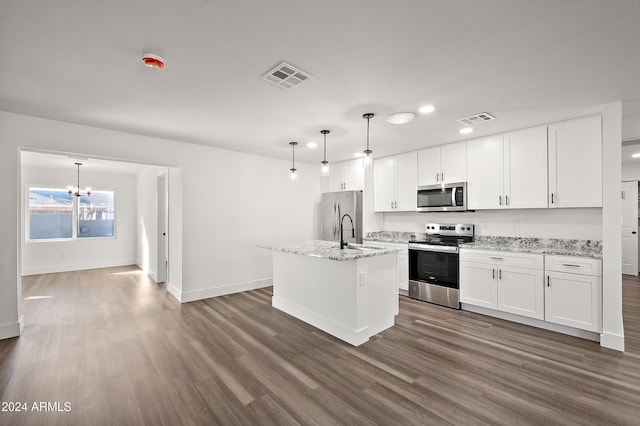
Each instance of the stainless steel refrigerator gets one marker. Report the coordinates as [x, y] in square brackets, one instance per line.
[334, 206]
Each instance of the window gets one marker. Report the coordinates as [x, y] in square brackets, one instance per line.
[55, 214]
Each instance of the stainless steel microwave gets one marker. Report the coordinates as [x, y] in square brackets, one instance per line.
[446, 197]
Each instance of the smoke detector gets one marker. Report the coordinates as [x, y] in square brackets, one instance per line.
[286, 76]
[152, 60]
[480, 117]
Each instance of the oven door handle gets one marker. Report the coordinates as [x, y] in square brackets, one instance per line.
[439, 249]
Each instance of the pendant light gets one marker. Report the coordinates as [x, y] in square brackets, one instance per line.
[367, 152]
[293, 175]
[76, 191]
[324, 168]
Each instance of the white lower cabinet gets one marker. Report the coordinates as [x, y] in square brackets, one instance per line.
[565, 290]
[503, 281]
[402, 272]
[478, 284]
[573, 292]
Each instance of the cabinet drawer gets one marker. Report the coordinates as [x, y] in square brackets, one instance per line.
[404, 248]
[521, 260]
[574, 265]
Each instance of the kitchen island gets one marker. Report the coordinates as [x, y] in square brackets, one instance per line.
[349, 293]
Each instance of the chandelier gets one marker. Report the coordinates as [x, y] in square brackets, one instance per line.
[76, 190]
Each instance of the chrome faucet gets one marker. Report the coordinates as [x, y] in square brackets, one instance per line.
[343, 244]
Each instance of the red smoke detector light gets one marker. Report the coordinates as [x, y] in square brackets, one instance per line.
[152, 61]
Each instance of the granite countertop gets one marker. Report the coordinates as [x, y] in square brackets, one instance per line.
[553, 246]
[390, 236]
[329, 250]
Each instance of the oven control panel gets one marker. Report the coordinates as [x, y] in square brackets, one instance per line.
[460, 229]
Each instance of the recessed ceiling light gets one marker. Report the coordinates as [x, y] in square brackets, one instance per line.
[466, 130]
[400, 117]
[636, 155]
[427, 109]
[311, 144]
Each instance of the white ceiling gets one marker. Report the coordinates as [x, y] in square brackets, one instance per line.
[526, 62]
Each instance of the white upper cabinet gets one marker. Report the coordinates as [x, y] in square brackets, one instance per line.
[443, 164]
[345, 176]
[394, 183]
[525, 168]
[575, 163]
[508, 171]
[485, 173]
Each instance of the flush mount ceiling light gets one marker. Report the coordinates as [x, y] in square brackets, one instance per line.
[466, 130]
[367, 152]
[293, 175]
[152, 60]
[324, 168]
[76, 190]
[311, 145]
[400, 117]
[427, 109]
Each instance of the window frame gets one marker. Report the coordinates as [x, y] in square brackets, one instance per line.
[75, 213]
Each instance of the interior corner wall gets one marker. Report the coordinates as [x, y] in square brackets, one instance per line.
[221, 204]
[41, 257]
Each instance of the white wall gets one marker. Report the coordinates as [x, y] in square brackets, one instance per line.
[583, 224]
[221, 204]
[40, 257]
[630, 171]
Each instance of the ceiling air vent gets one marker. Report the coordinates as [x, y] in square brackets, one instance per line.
[476, 118]
[286, 76]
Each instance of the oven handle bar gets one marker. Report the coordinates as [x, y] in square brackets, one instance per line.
[428, 247]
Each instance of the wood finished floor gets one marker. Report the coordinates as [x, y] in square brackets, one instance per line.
[122, 351]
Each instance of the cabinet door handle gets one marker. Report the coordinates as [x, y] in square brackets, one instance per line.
[442, 176]
[548, 281]
[392, 204]
[437, 177]
[395, 204]
[499, 274]
[624, 196]
[506, 200]
[500, 199]
[496, 258]
[570, 265]
[493, 273]
[552, 198]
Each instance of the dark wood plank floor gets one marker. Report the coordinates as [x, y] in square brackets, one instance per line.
[122, 351]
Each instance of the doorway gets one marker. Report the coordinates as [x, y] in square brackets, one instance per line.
[630, 227]
[162, 212]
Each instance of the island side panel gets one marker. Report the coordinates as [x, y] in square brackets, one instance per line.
[320, 292]
[378, 294]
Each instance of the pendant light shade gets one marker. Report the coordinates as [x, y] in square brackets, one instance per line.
[367, 152]
[293, 172]
[324, 164]
[76, 190]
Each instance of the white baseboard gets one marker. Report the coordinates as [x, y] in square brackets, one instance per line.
[11, 329]
[151, 273]
[612, 341]
[190, 296]
[583, 334]
[328, 325]
[175, 292]
[36, 270]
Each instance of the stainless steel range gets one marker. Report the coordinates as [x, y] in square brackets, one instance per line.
[434, 266]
